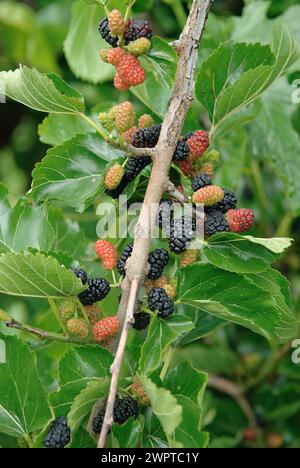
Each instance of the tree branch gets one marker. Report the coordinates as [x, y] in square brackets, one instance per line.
[174, 193]
[44, 335]
[181, 100]
[234, 391]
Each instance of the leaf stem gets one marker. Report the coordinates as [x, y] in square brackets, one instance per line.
[28, 440]
[128, 10]
[90, 122]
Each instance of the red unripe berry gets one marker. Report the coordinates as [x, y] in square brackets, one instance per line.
[120, 83]
[127, 135]
[114, 176]
[107, 252]
[131, 71]
[240, 220]
[198, 144]
[114, 56]
[106, 328]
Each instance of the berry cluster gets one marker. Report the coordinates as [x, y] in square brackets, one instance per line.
[129, 40]
[220, 207]
[97, 290]
[124, 409]
[159, 301]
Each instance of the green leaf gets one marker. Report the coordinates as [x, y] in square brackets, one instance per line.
[278, 287]
[42, 92]
[278, 403]
[188, 386]
[23, 403]
[68, 237]
[77, 368]
[185, 380]
[57, 129]
[23, 226]
[204, 324]
[153, 434]
[74, 172]
[276, 140]
[187, 434]
[240, 254]
[161, 334]
[236, 59]
[127, 435]
[254, 82]
[165, 407]
[225, 94]
[85, 401]
[84, 42]
[160, 65]
[36, 276]
[235, 298]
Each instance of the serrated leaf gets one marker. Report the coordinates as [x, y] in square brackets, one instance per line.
[236, 59]
[153, 434]
[69, 239]
[36, 276]
[204, 325]
[235, 298]
[77, 368]
[276, 140]
[161, 334]
[240, 254]
[127, 435]
[278, 287]
[165, 407]
[254, 82]
[188, 434]
[160, 65]
[85, 401]
[41, 92]
[226, 93]
[23, 403]
[56, 129]
[23, 226]
[73, 172]
[185, 380]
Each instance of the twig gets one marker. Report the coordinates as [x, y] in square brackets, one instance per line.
[174, 193]
[44, 335]
[230, 388]
[179, 104]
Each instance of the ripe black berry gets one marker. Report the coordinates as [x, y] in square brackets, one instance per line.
[200, 181]
[229, 202]
[141, 320]
[98, 421]
[181, 152]
[181, 232]
[137, 28]
[106, 35]
[123, 259]
[81, 274]
[146, 137]
[59, 434]
[165, 214]
[97, 291]
[157, 260]
[215, 222]
[124, 409]
[159, 301]
[134, 167]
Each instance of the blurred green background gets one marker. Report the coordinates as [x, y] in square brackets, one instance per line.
[33, 33]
